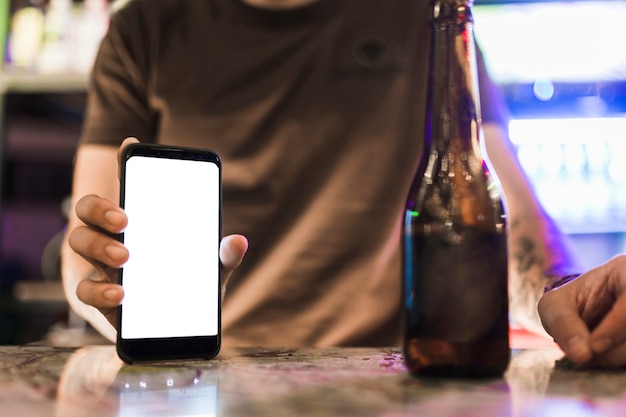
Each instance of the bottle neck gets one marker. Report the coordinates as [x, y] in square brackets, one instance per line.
[453, 101]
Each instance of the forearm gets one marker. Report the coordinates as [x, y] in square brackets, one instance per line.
[95, 171]
[539, 255]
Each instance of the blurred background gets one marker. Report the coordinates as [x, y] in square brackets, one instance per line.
[561, 66]
[48, 48]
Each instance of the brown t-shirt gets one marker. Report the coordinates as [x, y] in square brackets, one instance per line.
[317, 114]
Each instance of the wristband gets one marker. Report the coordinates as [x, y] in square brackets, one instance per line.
[561, 281]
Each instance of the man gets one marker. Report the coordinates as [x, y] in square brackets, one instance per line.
[317, 111]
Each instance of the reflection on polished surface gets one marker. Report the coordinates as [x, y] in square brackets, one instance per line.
[92, 381]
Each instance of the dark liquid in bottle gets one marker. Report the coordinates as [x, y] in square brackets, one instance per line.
[456, 301]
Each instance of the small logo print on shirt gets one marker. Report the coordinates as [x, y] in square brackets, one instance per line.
[371, 58]
[371, 51]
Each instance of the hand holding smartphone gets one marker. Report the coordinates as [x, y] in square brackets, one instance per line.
[171, 307]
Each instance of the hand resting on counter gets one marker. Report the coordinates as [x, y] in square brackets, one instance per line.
[587, 316]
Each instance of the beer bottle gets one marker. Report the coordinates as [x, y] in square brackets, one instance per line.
[454, 231]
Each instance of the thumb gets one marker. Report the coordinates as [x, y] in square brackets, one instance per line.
[561, 319]
[125, 143]
[232, 250]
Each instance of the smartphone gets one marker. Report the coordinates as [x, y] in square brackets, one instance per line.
[172, 302]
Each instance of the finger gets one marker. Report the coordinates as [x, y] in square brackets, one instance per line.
[102, 295]
[232, 250]
[560, 317]
[98, 248]
[612, 358]
[125, 143]
[101, 213]
[611, 332]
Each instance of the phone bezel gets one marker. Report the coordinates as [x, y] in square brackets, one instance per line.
[158, 349]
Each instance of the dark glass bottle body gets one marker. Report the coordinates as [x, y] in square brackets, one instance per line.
[454, 231]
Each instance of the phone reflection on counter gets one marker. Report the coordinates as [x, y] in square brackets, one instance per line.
[96, 382]
[166, 391]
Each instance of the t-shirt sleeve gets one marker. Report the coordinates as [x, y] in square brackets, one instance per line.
[492, 103]
[117, 104]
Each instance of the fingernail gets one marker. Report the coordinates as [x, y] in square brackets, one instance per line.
[577, 348]
[114, 217]
[115, 252]
[601, 345]
[111, 294]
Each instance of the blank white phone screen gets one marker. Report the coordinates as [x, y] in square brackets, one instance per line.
[171, 279]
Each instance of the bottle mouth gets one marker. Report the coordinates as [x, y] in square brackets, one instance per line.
[452, 9]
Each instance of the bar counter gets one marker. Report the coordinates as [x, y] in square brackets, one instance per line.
[92, 381]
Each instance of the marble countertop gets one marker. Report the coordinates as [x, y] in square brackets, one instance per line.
[92, 381]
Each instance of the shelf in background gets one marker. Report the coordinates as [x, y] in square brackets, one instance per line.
[33, 82]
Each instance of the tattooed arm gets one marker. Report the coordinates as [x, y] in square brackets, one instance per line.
[539, 253]
[587, 316]
[539, 256]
